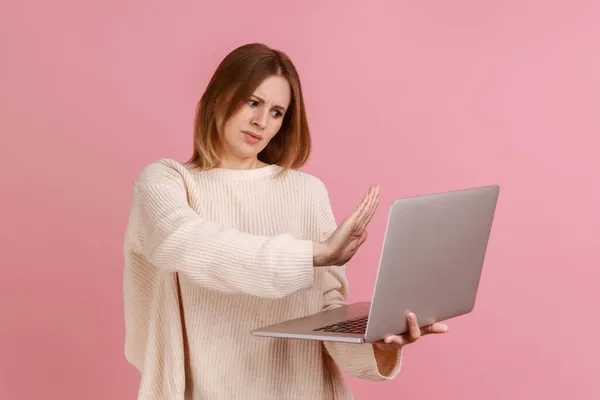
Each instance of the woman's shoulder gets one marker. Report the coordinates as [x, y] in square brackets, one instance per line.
[309, 182]
[161, 170]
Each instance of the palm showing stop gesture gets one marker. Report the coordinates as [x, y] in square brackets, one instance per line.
[344, 242]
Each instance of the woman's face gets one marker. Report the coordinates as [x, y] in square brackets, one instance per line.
[249, 131]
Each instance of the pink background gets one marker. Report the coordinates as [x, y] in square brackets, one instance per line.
[416, 96]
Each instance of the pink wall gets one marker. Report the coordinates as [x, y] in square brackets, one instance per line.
[416, 96]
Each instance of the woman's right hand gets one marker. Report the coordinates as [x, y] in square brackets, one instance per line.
[344, 242]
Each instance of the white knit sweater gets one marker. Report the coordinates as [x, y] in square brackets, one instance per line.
[211, 255]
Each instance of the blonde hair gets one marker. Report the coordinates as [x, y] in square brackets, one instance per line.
[232, 84]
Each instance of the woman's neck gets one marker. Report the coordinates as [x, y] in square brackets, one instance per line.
[241, 164]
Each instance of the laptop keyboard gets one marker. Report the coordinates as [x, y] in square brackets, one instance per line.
[356, 325]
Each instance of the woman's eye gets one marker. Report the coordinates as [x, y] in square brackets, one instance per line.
[276, 113]
[252, 103]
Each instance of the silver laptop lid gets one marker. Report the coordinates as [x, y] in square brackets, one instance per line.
[432, 257]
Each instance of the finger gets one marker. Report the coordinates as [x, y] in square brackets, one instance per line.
[360, 221]
[373, 208]
[413, 327]
[435, 328]
[362, 238]
[366, 200]
[360, 210]
[369, 210]
[363, 210]
[398, 340]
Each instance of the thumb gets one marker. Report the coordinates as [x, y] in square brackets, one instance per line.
[363, 237]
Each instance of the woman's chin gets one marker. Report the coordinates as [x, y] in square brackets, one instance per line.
[246, 152]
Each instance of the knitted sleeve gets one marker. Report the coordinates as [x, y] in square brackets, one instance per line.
[174, 238]
[364, 361]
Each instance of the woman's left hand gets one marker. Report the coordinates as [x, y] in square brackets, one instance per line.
[413, 333]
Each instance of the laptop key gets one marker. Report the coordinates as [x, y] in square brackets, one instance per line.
[358, 325]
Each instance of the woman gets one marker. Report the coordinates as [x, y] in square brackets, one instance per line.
[236, 239]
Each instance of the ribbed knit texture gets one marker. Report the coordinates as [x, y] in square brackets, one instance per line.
[212, 255]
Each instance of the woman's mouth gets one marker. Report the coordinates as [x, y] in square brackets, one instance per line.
[251, 137]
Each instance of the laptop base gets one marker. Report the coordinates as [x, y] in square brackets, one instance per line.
[307, 327]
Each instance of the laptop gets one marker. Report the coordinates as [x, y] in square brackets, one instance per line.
[431, 262]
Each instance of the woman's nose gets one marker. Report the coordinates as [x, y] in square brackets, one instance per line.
[260, 118]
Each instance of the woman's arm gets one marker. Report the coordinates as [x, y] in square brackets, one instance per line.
[364, 361]
[165, 230]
